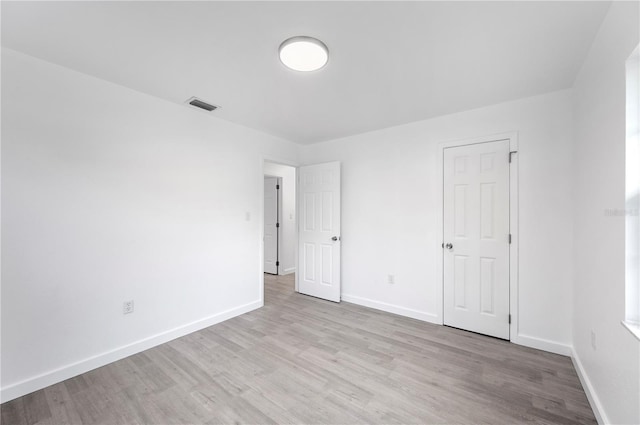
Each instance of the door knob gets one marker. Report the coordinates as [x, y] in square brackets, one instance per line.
[449, 246]
[335, 238]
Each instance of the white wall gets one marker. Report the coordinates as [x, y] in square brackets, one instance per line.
[287, 214]
[111, 195]
[390, 202]
[612, 368]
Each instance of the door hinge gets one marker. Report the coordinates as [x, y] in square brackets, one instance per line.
[442, 245]
[509, 238]
[509, 319]
[278, 186]
[277, 224]
[511, 155]
[277, 263]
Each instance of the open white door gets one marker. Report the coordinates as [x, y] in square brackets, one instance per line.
[476, 238]
[319, 231]
[271, 225]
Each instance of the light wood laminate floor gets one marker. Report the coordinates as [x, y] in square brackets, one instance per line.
[304, 360]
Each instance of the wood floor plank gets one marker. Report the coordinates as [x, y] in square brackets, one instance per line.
[13, 412]
[36, 407]
[61, 405]
[304, 360]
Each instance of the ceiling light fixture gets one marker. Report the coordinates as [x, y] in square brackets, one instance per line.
[303, 53]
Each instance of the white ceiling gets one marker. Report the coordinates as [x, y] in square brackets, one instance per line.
[390, 62]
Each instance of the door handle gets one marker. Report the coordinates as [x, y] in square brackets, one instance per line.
[335, 238]
[449, 246]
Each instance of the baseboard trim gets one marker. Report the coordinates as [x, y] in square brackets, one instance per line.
[392, 308]
[44, 380]
[289, 270]
[594, 401]
[542, 344]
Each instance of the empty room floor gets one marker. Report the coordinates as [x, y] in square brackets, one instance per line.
[305, 360]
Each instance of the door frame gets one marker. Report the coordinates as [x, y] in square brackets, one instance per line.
[512, 137]
[289, 163]
[279, 219]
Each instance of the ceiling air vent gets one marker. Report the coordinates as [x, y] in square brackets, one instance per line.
[201, 104]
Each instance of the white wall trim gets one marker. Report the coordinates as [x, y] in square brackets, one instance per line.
[594, 401]
[513, 222]
[288, 271]
[542, 344]
[38, 382]
[392, 308]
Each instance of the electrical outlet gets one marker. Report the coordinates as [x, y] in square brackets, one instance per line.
[593, 340]
[391, 279]
[127, 307]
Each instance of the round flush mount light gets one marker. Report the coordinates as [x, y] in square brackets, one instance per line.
[303, 53]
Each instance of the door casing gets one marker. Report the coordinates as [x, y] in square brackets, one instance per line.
[512, 137]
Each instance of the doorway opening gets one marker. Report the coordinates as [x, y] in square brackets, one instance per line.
[279, 228]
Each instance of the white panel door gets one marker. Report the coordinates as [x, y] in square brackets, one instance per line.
[270, 225]
[476, 238]
[319, 231]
